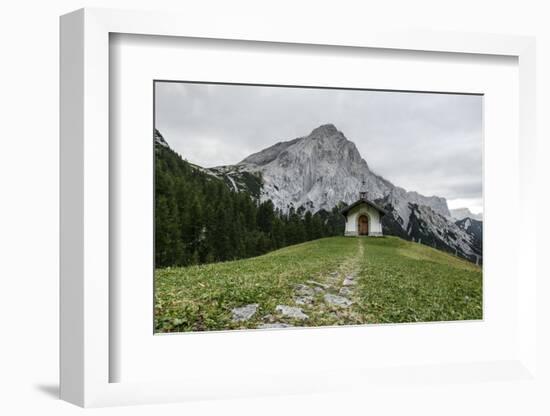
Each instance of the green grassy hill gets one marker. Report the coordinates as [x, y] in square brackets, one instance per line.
[334, 281]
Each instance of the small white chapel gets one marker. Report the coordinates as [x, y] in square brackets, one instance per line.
[363, 217]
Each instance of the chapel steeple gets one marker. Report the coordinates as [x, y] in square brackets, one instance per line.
[363, 191]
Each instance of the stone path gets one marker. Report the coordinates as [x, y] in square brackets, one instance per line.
[337, 289]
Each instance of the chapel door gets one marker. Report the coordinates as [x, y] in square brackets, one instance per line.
[363, 225]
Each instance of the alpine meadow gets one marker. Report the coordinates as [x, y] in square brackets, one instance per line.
[267, 214]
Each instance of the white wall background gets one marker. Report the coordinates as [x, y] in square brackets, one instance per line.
[29, 206]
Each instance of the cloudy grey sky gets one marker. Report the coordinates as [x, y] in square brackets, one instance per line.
[429, 143]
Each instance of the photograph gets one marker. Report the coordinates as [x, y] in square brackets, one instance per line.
[280, 206]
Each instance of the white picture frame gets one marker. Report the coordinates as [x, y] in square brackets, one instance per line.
[85, 352]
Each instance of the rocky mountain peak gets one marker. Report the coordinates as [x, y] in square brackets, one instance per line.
[325, 130]
[323, 169]
[325, 142]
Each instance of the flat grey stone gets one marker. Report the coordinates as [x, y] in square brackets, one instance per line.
[304, 290]
[345, 291]
[337, 300]
[318, 284]
[274, 325]
[244, 313]
[291, 312]
[303, 300]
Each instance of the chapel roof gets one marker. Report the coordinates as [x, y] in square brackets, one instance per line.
[363, 201]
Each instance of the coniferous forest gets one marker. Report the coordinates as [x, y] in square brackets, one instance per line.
[198, 219]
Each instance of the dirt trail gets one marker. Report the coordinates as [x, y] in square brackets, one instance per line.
[352, 264]
[349, 270]
[330, 295]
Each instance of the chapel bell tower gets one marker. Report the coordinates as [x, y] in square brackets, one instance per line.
[363, 192]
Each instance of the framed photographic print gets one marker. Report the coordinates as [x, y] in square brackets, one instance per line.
[262, 212]
[256, 233]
